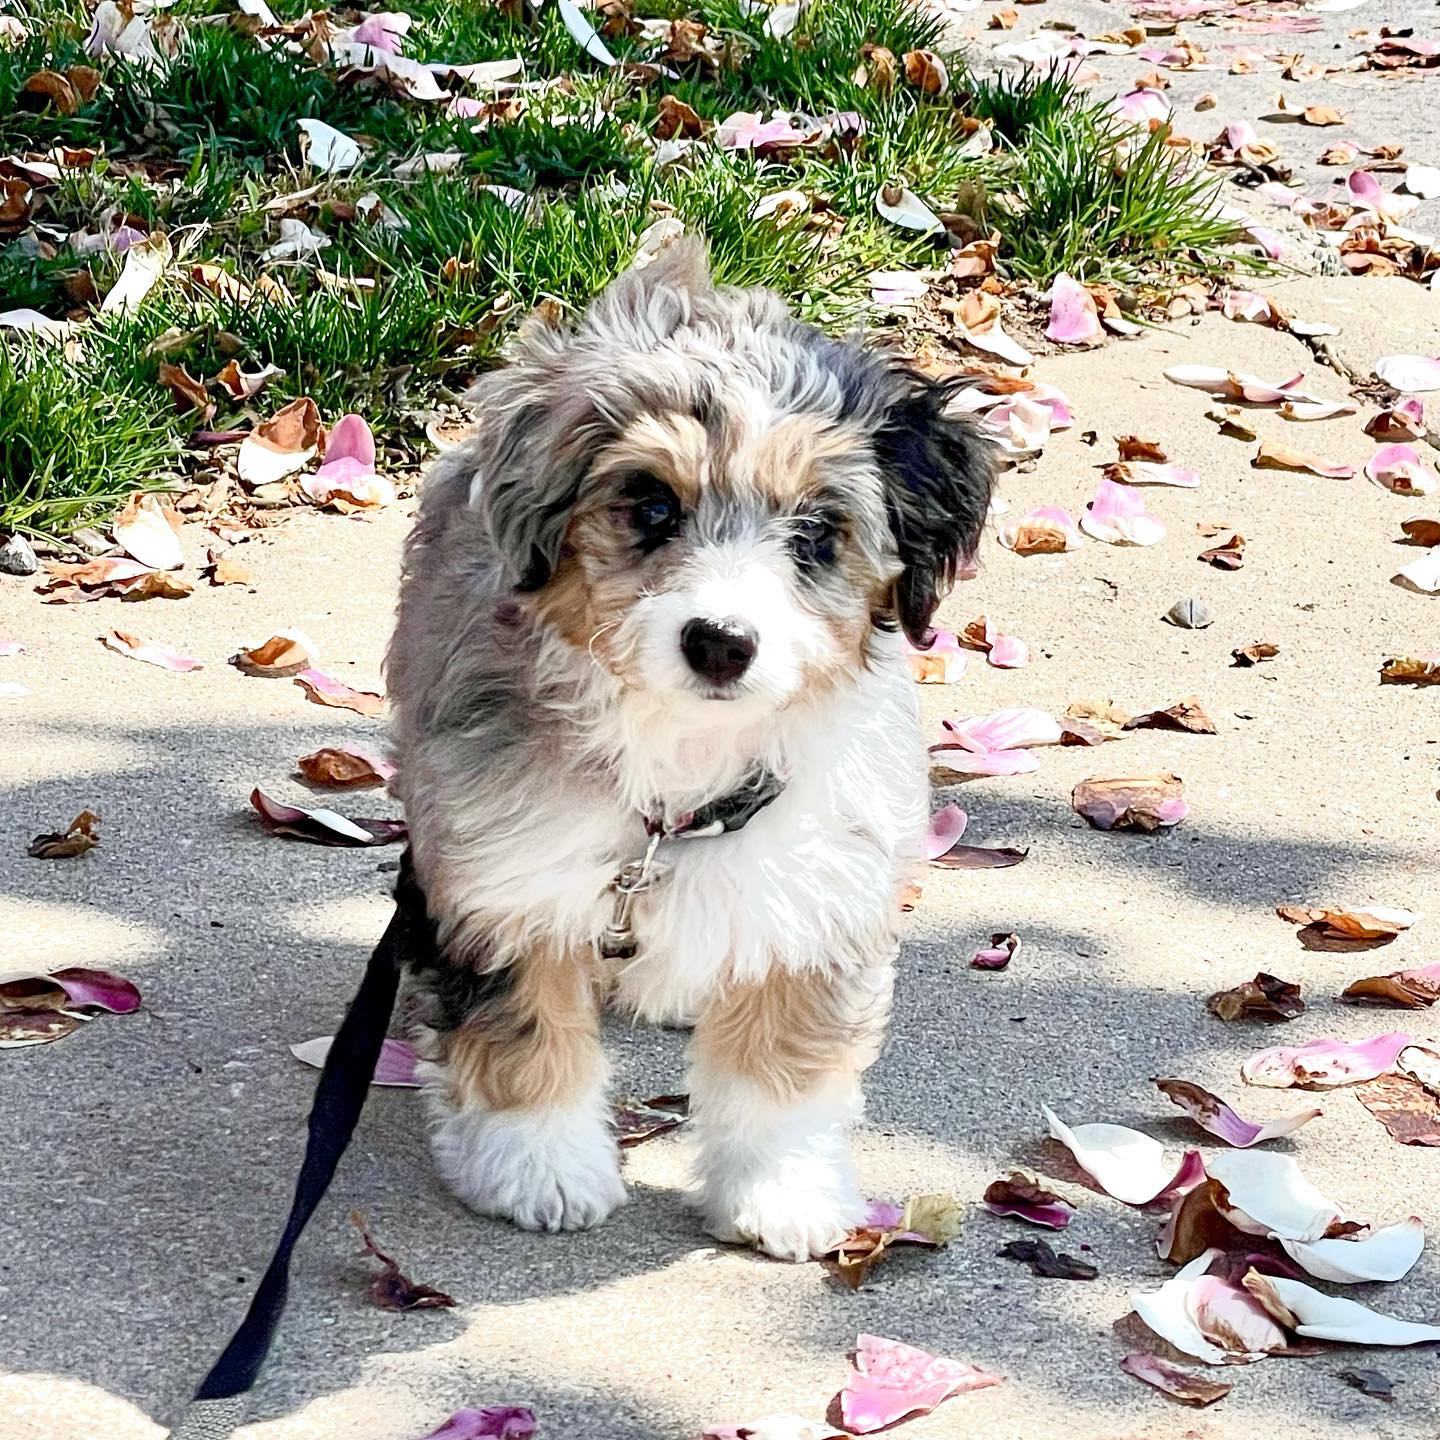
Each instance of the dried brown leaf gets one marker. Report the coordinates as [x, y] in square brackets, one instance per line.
[80, 835]
[1187, 714]
[1404, 1107]
[1132, 802]
[1263, 998]
[1228, 555]
[1401, 989]
[1255, 654]
[279, 658]
[1410, 670]
[392, 1290]
[1134, 447]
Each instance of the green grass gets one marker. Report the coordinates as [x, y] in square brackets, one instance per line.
[197, 146]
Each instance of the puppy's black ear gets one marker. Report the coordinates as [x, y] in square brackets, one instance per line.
[938, 477]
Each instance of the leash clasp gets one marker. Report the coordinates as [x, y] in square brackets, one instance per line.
[617, 940]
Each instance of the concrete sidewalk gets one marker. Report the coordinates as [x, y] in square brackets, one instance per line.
[146, 1162]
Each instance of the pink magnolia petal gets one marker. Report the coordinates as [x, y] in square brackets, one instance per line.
[1211, 1113]
[150, 652]
[1240, 133]
[382, 31]
[142, 530]
[942, 662]
[1006, 652]
[1140, 107]
[1052, 1217]
[1014, 729]
[1268, 240]
[1324, 1063]
[1125, 1163]
[1150, 472]
[1364, 187]
[494, 1422]
[946, 827]
[323, 826]
[1400, 468]
[890, 1381]
[324, 689]
[395, 1067]
[1073, 317]
[11, 647]
[990, 762]
[351, 439]
[84, 988]
[1044, 516]
[1247, 305]
[1117, 516]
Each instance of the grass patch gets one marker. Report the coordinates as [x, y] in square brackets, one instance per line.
[423, 275]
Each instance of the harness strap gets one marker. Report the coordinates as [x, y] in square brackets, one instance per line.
[340, 1096]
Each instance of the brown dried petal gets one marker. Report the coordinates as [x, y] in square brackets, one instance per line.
[1187, 714]
[1263, 998]
[80, 835]
[1404, 1107]
[1253, 654]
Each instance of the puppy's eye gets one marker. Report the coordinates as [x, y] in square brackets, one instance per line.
[813, 541]
[654, 510]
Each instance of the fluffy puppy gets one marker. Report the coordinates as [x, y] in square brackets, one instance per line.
[662, 587]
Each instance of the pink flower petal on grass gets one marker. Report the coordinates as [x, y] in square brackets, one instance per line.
[150, 652]
[85, 989]
[396, 1065]
[890, 1381]
[1400, 468]
[1211, 1113]
[1125, 1163]
[324, 689]
[382, 31]
[1324, 1063]
[1073, 317]
[1117, 516]
[946, 828]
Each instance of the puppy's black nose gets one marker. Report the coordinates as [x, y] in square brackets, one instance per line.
[719, 650]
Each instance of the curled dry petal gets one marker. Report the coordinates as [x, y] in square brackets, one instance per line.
[1325, 1063]
[1236, 385]
[1404, 989]
[1023, 1198]
[1074, 319]
[904, 208]
[1147, 472]
[1422, 575]
[1005, 652]
[1205, 1316]
[1002, 949]
[1046, 531]
[281, 445]
[890, 1380]
[1375, 922]
[942, 662]
[1183, 1385]
[392, 1289]
[1317, 1316]
[323, 827]
[328, 150]
[1013, 729]
[149, 651]
[148, 529]
[1125, 1163]
[345, 767]
[1265, 1194]
[73, 987]
[1117, 516]
[395, 1067]
[78, 838]
[1211, 1113]
[1136, 802]
[1386, 1254]
[493, 1422]
[283, 655]
[1266, 997]
[324, 689]
[1410, 670]
[964, 761]
[1187, 715]
[1272, 456]
[1400, 468]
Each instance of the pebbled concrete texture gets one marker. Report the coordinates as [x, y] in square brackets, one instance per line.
[145, 1162]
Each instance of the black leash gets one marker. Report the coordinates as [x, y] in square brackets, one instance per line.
[340, 1096]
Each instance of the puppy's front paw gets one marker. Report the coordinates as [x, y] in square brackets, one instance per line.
[544, 1170]
[787, 1220]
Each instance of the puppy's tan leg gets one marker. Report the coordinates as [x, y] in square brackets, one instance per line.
[774, 1086]
[517, 1088]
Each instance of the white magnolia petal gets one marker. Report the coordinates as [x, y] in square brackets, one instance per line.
[1267, 1195]
[584, 33]
[145, 263]
[1422, 574]
[1123, 1162]
[1385, 1254]
[909, 212]
[1318, 1316]
[327, 149]
[1410, 373]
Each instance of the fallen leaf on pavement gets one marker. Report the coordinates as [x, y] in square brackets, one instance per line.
[637, 1121]
[1403, 989]
[890, 1381]
[494, 1422]
[1020, 1196]
[1228, 555]
[344, 767]
[1255, 654]
[1044, 1262]
[148, 529]
[1264, 998]
[282, 656]
[149, 651]
[80, 835]
[391, 1289]
[1002, 950]
[1318, 1316]
[1206, 1317]
[1005, 652]
[324, 689]
[927, 1220]
[1135, 802]
[942, 663]
[1410, 670]
[395, 1067]
[1048, 530]
[1126, 1164]
[1117, 516]
[1405, 1107]
[1211, 1113]
[1422, 532]
[321, 826]
[1370, 1382]
[1186, 1386]
[1187, 714]
[1379, 924]
[281, 445]
[1273, 456]
[1401, 469]
[1324, 1063]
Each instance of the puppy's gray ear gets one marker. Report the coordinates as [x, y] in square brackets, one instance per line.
[544, 415]
[938, 477]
